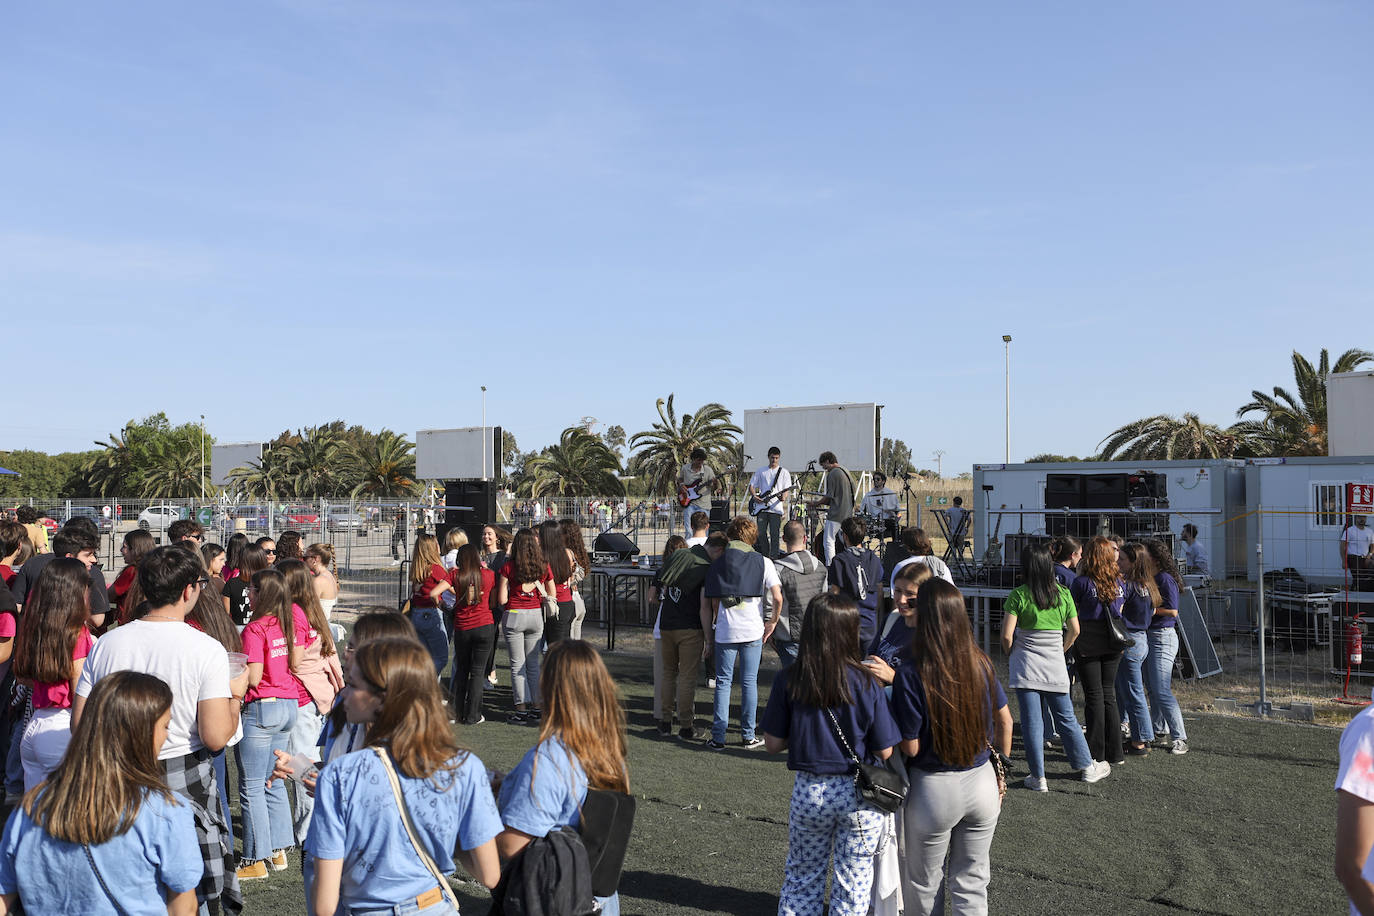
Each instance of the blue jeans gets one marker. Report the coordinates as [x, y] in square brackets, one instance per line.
[1047, 718]
[787, 651]
[1033, 729]
[1130, 689]
[442, 908]
[1159, 673]
[749, 655]
[429, 625]
[266, 812]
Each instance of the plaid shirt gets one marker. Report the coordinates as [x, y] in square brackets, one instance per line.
[193, 778]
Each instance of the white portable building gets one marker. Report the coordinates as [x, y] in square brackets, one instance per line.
[1303, 502]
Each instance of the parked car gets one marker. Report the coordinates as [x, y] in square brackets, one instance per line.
[50, 524]
[301, 518]
[102, 523]
[341, 519]
[157, 518]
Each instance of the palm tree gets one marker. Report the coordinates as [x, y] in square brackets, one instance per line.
[581, 464]
[319, 463]
[174, 471]
[386, 467]
[661, 450]
[1295, 424]
[112, 470]
[267, 477]
[1166, 438]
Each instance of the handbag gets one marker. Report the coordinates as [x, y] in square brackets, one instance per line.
[410, 829]
[1000, 769]
[1118, 638]
[549, 602]
[878, 784]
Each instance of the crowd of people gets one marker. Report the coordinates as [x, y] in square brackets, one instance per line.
[348, 752]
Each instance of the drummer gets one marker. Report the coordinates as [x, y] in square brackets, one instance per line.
[881, 503]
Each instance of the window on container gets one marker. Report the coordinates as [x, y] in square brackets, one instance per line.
[1328, 499]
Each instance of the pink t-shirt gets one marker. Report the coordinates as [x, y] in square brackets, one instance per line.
[305, 637]
[59, 695]
[265, 644]
[8, 626]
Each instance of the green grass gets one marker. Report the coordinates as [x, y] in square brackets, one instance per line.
[1241, 824]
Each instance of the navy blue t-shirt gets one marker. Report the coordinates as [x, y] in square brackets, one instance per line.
[811, 745]
[894, 646]
[1137, 608]
[1064, 575]
[910, 708]
[1168, 591]
[860, 575]
[1089, 606]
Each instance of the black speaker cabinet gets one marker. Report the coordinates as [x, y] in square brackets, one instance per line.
[479, 496]
[1104, 491]
[616, 543]
[1063, 491]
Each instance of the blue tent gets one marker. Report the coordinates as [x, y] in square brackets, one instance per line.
[8, 471]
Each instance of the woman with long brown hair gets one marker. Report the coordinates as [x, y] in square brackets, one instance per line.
[582, 567]
[363, 857]
[136, 544]
[272, 643]
[1140, 597]
[319, 674]
[561, 565]
[428, 583]
[496, 542]
[289, 545]
[474, 634]
[104, 833]
[581, 745]
[952, 714]
[521, 585]
[1097, 593]
[1163, 639]
[831, 832]
[50, 649]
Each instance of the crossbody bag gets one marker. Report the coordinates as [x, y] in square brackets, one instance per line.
[395, 781]
[879, 784]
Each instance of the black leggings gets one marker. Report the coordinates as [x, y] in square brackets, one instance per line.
[555, 628]
[1100, 714]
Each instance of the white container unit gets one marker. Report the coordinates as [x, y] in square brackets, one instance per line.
[1217, 484]
[1304, 512]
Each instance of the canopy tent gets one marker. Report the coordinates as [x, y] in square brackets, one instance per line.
[8, 471]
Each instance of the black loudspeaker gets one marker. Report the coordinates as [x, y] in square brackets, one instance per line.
[1104, 491]
[613, 542]
[720, 514]
[479, 498]
[1063, 491]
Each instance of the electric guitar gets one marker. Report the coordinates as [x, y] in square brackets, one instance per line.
[758, 504]
[992, 556]
[688, 494]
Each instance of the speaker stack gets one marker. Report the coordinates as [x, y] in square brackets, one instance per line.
[478, 501]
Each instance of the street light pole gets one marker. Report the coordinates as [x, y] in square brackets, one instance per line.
[1006, 347]
[202, 457]
[484, 432]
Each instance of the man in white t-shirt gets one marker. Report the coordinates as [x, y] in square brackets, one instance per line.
[701, 527]
[1356, 543]
[766, 481]
[1355, 813]
[736, 585]
[205, 702]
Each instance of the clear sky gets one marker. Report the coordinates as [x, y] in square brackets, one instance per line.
[278, 214]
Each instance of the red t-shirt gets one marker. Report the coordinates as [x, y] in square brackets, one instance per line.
[265, 644]
[518, 599]
[59, 695]
[305, 637]
[562, 591]
[469, 617]
[119, 590]
[7, 573]
[420, 597]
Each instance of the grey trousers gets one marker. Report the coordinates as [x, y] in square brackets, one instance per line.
[523, 632]
[770, 524]
[956, 813]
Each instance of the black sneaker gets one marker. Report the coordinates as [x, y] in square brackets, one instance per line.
[689, 734]
[517, 718]
[750, 744]
[665, 729]
[715, 745]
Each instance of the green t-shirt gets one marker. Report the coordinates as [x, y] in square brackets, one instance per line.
[1029, 617]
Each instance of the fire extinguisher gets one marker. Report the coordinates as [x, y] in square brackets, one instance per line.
[1354, 643]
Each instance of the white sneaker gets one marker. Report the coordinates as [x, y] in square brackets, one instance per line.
[1036, 785]
[1096, 771]
[1178, 747]
[1126, 729]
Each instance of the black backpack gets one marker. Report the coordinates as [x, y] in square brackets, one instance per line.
[549, 877]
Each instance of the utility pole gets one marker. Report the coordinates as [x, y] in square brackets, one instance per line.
[202, 457]
[1006, 346]
[484, 432]
[940, 463]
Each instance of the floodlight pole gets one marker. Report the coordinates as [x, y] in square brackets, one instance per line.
[1006, 348]
[484, 432]
[202, 458]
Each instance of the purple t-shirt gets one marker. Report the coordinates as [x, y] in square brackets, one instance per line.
[1168, 591]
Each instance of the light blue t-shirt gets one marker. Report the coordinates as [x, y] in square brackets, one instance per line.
[157, 855]
[356, 820]
[538, 799]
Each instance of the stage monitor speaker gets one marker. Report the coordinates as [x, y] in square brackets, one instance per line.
[613, 542]
[1063, 491]
[720, 514]
[1104, 491]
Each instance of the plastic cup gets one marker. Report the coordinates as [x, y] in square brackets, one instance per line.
[238, 664]
[301, 766]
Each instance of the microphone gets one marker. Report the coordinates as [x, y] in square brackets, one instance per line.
[750, 457]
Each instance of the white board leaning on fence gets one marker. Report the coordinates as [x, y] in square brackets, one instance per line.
[456, 454]
[224, 458]
[802, 433]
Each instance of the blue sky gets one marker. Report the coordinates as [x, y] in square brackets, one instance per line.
[277, 214]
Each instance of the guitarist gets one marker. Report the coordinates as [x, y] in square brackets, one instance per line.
[837, 496]
[767, 508]
[695, 481]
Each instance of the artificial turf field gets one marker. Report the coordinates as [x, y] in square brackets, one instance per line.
[1242, 824]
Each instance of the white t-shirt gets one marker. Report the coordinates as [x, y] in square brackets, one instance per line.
[882, 502]
[1358, 540]
[955, 514]
[763, 482]
[191, 663]
[1356, 774]
[692, 542]
[744, 621]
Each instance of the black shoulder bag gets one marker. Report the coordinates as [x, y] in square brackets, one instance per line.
[878, 784]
